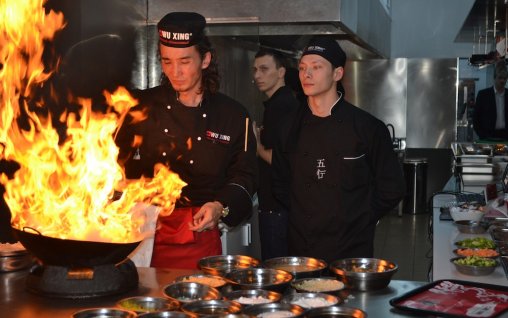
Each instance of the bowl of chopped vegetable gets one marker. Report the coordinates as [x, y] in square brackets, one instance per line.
[474, 265]
[327, 285]
[476, 242]
[480, 252]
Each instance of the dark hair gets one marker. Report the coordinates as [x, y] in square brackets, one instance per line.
[210, 81]
[280, 60]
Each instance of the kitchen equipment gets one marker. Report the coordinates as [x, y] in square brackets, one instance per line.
[78, 269]
[263, 278]
[212, 307]
[222, 264]
[185, 292]
[364, 273]
[299, 266]
[273, 308]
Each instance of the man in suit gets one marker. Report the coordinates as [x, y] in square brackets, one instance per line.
[490, 118]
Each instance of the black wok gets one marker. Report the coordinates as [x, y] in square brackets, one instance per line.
[73, 253]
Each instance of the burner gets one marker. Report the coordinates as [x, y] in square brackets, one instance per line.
[97, 281]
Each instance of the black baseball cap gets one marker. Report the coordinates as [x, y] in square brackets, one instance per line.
[181, 29]
[327, 48]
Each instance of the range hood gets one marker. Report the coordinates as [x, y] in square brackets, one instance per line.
[362, 27]
[484, 26]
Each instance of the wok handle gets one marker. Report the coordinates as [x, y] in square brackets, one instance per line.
[31, 228]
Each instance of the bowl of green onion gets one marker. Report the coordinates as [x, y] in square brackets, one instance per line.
[475, 265]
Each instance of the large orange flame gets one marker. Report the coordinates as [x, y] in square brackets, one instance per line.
[65, 189]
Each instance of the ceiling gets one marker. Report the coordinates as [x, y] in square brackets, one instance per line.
[486, 20]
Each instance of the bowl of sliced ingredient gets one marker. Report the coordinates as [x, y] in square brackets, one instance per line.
[205, 279]
[477, 242]
[467, 211]
[299, 266]
[474, 265]
[364, 273]
[311, 300]
[328, 285]
[249, 297]
[480, 252]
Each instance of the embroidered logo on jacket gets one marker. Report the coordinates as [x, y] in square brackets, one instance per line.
[225, 139]
[320, 171]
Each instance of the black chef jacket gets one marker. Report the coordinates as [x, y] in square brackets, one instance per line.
[206, 146]
[338, 175]
[279, 105]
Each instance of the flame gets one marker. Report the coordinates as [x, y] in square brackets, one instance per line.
[66, 188]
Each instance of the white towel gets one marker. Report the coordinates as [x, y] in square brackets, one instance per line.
[142, 255]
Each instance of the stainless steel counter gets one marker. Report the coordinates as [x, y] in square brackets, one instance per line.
[16, 302]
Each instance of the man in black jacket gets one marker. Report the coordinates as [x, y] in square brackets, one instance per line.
[269, 75]
[334, 167]
[199, 133]
[490, 117]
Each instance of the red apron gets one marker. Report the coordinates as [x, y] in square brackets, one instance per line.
[176, 246]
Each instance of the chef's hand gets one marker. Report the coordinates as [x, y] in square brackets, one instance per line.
[257, 132]
[207, 217]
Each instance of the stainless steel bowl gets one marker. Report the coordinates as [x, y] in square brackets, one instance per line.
[212, 307]
[248, 297]
[259, 310]
[328, 285]
[471, 227]
[499, 234]
[185, 292]
[220, 265]
[104, 313]
[311, 300]
[142, 304]
[205, 279]
[167, 314]
[473, 270]
[260, 278]
[364, 273]
[335, 311]
[16, 261]
[300, 267]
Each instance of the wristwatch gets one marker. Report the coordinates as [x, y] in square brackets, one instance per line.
[224, 212]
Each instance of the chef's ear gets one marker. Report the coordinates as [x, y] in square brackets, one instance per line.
[338, 73]
[206, 60]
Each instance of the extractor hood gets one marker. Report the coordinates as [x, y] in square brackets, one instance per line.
[287, 25]
[484, 27]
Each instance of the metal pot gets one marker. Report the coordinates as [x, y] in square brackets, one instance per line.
[73, 253]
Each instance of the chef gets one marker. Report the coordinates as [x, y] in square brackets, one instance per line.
[334, 167]
[202, 135]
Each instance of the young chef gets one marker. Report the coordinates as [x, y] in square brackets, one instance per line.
[201, 134]
[334, 166]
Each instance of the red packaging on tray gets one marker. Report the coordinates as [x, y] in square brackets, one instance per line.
[454, 298]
